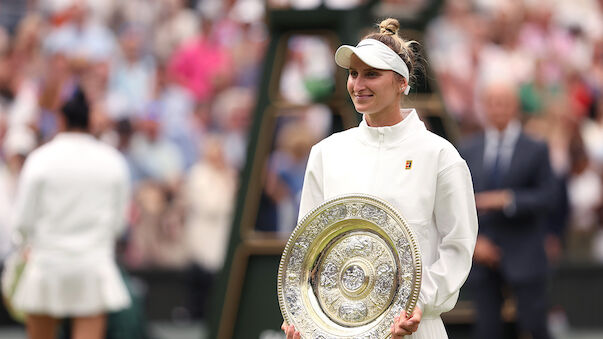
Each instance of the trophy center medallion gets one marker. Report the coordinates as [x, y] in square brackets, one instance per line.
[353, 278]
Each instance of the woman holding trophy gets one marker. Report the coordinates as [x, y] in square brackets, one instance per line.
[391, 155]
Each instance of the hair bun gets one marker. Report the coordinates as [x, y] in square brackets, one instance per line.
[389, 26]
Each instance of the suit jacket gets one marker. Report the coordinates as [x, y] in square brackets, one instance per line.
[519, 231]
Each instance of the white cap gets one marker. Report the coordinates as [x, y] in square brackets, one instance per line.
[375, 54]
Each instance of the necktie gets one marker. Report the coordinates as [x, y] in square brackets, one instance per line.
[495, 171]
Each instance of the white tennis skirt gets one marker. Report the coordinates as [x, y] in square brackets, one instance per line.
[70, 286]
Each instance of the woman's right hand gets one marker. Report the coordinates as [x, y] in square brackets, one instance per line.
[290, 331]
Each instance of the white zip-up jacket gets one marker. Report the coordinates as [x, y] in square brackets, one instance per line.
[421, 175]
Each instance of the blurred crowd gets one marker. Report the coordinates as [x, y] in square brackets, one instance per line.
[552, 51]
[172, 85]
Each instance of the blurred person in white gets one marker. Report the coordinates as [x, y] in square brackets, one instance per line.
[585, 193]
[174, 25]
[585, 14]
[209, 191]
[17, 144]
[71, 204]
[131, 77]
[82, 37]
[392, 155]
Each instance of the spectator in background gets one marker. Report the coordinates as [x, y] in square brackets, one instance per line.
[555, 125]
[59, 43]
[174, 106]
[591, 131]
[455, 32]
[514, 186]
[231, 114]
[585, 198]
[157, 157]
[209, 192]
[287, 167]
[308, 70]
[70, 208]
[157, 237]
[82, 37]
[132, 76]
[201, 65]
[174, 25]
[18, 143]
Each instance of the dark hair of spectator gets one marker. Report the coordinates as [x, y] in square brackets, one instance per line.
[76, 111]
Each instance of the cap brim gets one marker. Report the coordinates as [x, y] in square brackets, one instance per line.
[343, 57]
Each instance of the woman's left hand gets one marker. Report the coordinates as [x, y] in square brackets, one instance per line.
[404, 325]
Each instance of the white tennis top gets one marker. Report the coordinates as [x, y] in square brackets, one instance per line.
[71, 204]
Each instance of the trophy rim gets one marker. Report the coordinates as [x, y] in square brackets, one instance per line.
[362, 198]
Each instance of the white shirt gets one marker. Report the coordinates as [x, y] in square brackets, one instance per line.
[72, 197]
[507, 138]
[435, 195]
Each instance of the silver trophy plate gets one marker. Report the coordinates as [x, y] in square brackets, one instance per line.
[350, 266]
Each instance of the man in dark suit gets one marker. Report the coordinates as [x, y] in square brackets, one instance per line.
[513, 186]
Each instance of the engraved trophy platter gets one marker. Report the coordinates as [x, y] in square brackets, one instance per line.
[350, 266]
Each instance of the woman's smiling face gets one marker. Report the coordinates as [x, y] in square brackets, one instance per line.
[374, 91]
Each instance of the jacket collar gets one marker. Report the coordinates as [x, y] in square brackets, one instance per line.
[391, 135]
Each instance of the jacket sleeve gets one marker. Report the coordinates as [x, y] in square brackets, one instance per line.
[26, 203]
[312, 191]
[536, 198]
[456, 223]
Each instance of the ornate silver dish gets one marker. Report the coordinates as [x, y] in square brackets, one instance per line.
[350, 266]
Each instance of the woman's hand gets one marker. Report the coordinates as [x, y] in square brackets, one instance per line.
[290, 331]
[404, 325]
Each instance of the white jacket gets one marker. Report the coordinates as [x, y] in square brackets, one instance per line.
[423, 177]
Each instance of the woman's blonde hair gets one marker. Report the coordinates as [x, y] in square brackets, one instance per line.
[388, 34]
